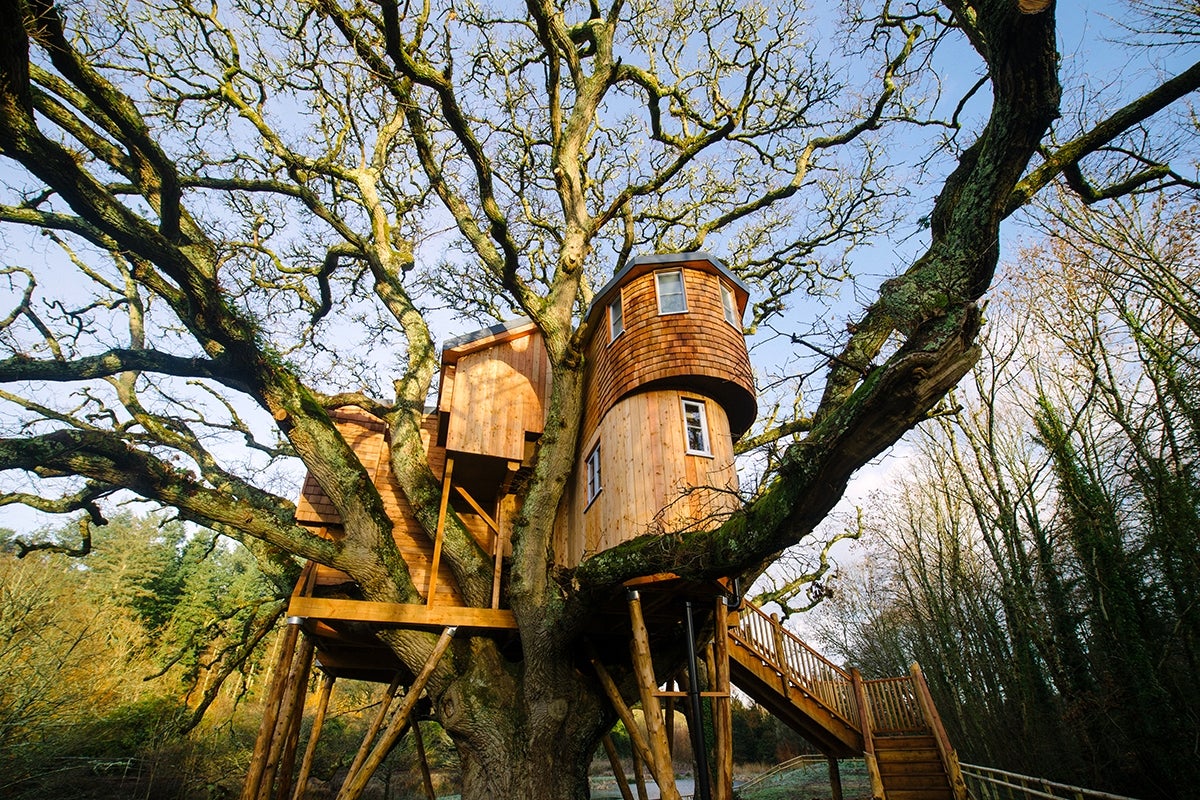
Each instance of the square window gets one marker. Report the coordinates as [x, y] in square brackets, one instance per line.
[671, 297]
[727, 302]
[593, 474]
[616, 319]
[695, 427]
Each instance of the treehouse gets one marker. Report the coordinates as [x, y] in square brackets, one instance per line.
[668, 390]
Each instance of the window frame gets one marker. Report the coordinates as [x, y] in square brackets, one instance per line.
[592, 478]
[729, 305]
[616, 323]
[702, 408]
[658, 291]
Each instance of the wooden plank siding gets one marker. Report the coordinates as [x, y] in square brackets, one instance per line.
[498, 397]
[650, 484]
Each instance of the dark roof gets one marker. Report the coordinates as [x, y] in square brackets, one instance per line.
[647, 263]
[484, 333]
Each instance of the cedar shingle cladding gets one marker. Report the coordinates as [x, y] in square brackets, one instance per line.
[698, 349]
[366, 435]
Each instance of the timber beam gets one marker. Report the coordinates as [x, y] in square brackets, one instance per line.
[402, 614]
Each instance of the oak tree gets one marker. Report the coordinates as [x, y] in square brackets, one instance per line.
[252, 213]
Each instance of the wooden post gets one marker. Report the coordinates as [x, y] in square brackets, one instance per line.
[266, 731]
[441, 529]
[315, 734]
[864, 719]
[498, 567]
[663, 769]
[364, 749]
[426, 778]
[722, 704]
[283, 752]
[357, 781]
[934, 721]
[835, 779]
[669, 720]
[641, 749]
[639, 775]
[614, 758]
[699, 745]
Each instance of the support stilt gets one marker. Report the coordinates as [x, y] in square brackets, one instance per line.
[723, 704]
[283, 749]
[639, 776]
[669, 720]
[699, 747]
[618, 771]
[641, 748]
[357, 781]
[663, 769]
[271, 707]
[364, 749]
[314, 735]
[835, 779]
[426, 777]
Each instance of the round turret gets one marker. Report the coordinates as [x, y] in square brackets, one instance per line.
[669, 389]
[671, 321]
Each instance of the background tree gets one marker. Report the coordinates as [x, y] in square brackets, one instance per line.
[1035, 558]
[250, 196]
[83, 637]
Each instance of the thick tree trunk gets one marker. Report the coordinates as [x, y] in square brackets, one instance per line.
[527, 743]
[560, 773]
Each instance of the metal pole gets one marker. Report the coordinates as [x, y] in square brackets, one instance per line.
[698, 746]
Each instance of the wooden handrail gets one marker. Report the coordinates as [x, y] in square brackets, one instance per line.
[1014, 782]
[792, 638]
[864, 721]
[798, 663]
[934, 720]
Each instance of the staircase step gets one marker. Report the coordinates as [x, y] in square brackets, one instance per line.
[908, 742]
[907, 756]
[919, 794]
[913, 782]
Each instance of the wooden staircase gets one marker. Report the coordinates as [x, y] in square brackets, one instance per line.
[910, 768]
[890, 722]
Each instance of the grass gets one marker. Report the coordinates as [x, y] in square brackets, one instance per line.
[809, 781]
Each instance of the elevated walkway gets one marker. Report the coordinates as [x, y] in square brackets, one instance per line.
[890, 722]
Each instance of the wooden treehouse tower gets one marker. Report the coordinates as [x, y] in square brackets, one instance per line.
[669, 389]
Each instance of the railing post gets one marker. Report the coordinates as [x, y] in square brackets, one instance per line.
[864, 721]
[781, 655]
[948, 754]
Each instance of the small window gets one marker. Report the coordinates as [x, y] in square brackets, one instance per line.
[671, 298]
[727, 302]
[695, 427]
[616, 319]
[593, 474]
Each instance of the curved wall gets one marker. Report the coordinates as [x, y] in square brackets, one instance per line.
[697, 350]
[649, 482]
